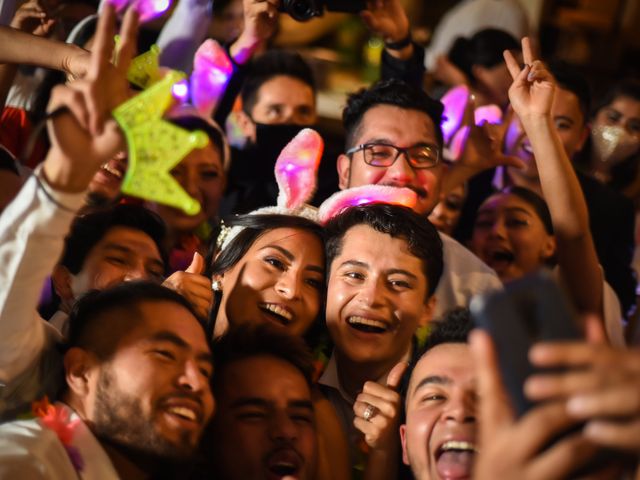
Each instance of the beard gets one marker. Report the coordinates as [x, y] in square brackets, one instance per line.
[120, 420]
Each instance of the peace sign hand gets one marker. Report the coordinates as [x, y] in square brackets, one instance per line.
[531, 93]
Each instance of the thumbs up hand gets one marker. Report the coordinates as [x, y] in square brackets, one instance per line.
[193, 286]
[377, 411]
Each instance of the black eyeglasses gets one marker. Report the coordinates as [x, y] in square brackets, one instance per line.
[385, 155]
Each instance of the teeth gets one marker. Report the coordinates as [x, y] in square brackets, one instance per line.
[278, 310]
[183, 412]
[455, 445]
[112, 171]
[356, 320]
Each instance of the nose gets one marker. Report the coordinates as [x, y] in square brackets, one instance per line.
[191, 183]
[401, 171]
[371, 293]
[136, 273]
[191, 378]
[460, 409]
[287, 285]
[498, 228]
[282, 427]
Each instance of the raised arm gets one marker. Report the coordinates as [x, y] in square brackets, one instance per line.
[531, 96]
[33, 226]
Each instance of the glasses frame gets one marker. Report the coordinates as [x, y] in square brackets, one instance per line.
[399, 151]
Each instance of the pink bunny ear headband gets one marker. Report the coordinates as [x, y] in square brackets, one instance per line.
[296, 175]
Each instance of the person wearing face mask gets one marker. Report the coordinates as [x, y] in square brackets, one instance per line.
[278, 100]
[611, 153]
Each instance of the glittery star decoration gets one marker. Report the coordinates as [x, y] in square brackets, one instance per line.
[156, 146]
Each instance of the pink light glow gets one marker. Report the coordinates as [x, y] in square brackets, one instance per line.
[488, 113]
[454, 101]
[150, 9]
[180, 91]
[211, 71]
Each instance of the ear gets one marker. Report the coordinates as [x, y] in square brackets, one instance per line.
[344, 171]
[247, 125]
[79, 370]
[549, 247]
[403, 440]
[427, 312]
[61, 278]
[479, 73]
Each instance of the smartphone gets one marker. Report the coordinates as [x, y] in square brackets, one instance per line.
[529, 310]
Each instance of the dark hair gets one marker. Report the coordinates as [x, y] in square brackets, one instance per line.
[534, 200]
[87, 230]
[484, 48]
[90, 330]
[570, 79]
[399, 222]
[272, 64]
[255, 225]
[193, 123]
[246, 341]
[453, 327]
[389, 92]
[627, 87]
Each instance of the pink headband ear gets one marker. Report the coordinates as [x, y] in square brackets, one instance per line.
[211, 72]
[296, 169]
[455, 102]
[353, 197]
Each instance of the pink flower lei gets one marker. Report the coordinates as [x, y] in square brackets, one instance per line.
[58, 419]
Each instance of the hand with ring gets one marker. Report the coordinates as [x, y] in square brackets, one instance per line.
[377, 410]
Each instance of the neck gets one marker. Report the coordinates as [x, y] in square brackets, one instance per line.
[124, 465]
[353, 375]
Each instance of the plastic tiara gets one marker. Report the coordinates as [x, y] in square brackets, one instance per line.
[156, 146]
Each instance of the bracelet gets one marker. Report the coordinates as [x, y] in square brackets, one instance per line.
[400, 44]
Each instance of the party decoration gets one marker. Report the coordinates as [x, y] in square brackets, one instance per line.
[144, 70]
[296, 169]
[147, 9]
[156, 146]
[454, 101]
[211, 72]
[613, 144]
[365, 195]
[488, 114]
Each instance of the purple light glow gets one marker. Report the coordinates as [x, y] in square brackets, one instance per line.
[455, 101]
[488, 113]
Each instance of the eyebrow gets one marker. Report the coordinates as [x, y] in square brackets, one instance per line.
[291, 257]
[564, 117]
[354, 263]
[170, 337]
[510, 210]
[389, 142]
[432, 380]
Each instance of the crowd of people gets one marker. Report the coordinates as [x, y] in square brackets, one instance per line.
[264, 338]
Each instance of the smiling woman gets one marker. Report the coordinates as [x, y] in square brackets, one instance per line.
[272, 271]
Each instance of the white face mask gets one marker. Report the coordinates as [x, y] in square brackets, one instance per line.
[613, 144]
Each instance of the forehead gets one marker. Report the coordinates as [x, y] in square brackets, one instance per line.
[626, 105]
[567, 104]
[168, 317]
[285, 89]
[207, 155]
[296, 241]
[398, 126]
[500, 202]
[130, 239]
[450, 360]
[278, 381]
[364, 243]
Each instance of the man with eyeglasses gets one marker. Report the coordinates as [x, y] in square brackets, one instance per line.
[393, 137]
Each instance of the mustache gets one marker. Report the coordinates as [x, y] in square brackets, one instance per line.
[421, 192]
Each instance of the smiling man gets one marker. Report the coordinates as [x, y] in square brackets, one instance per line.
[385, 263]
[265, 427]
[439, 433]
[393, 137]
[136, 396]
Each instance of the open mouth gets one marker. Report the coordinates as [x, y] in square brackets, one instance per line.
[285, 463]
[367, 325]
[454, 459]
[278, 313]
